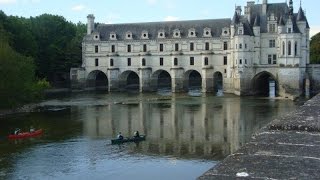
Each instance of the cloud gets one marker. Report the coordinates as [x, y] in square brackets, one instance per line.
[171, 18]
[7, 2]
[79, 7]
[152, 2]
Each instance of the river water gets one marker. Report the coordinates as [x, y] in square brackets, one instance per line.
[187, 134]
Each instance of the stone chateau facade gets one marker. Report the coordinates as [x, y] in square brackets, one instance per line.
[264, 46]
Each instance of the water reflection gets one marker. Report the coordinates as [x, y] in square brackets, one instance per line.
[185, 135]
[182, 125]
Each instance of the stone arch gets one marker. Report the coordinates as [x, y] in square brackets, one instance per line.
[263, 82]
[161, 79]
[192, 80]
[218, 81]
[97, 79]
[129, 80]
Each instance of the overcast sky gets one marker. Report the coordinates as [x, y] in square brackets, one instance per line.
[131, 11]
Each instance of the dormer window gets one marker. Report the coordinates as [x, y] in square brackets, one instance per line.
[176, 33]
[192, 32]
[240, 31]
[161, 34]
[144, 35]
[128, 35]
[96, 36]
[113, 36]
[225, 32]
[272, 27]
[207, 32]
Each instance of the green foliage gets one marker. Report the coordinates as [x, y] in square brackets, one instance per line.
[54, 43]
[17, 77]
[315, 49]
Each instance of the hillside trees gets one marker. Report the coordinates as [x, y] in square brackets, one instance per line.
[315, 49]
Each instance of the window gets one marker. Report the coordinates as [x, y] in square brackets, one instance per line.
[175, 61]
[274, 59]
[225, 71]
[225, 45]
[129, 48]
[96, 49]
[129, 62]
[144, 48]
[143, 62]
[240, 61]
[97, 62]
[245, 46]
[245, 61]
[272, 43]
[206, 61]
[111, 62]
[161, 47]
[289, 30]
[240, 32]
[283, 48]
[296, 48]
[191, 61]
[161, 61]
[225, 60]
[289, 48]
[113, 48]
[272, 28]
[207, 46]
[191, 46]
[240, 46]
[176, 47]
[269, 59]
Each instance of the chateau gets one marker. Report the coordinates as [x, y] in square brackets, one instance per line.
[263, 47]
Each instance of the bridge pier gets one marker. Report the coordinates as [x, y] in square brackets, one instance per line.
[177, 79]
[113, 75]
[145, 79]
[207, 80]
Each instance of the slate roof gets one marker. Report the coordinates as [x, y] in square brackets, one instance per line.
[280, 11]
[153, 28]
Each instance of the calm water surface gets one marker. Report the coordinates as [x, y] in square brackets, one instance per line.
[187, 134]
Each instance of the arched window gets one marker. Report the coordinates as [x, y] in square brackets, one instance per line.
[289, 48]
[206, 61]
[296, 48]
[283, 48]
[143, 62]
[175, 61]
[111, 62]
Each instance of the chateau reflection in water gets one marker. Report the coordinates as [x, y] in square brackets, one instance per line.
[208, 127]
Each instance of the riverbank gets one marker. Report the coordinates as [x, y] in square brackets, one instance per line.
[287, 148]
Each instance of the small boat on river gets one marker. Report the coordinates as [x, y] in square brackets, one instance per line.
[26, 134]
[128, 139]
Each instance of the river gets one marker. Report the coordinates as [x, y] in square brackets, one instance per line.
[187, 134]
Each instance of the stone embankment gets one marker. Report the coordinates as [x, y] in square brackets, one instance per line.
[287, 148]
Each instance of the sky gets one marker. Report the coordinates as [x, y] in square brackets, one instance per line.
[132, 11]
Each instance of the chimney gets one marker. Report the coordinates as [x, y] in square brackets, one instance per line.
[90, 25]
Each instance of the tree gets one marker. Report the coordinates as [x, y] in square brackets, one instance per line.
[315, 49]
[17, 77]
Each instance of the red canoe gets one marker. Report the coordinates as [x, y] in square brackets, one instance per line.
[26, 134]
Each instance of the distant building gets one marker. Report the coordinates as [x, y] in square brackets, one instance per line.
[266, 44]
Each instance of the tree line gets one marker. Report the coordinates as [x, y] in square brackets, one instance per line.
[32, 51]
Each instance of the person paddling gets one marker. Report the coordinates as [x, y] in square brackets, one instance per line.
[136, 134]
[17, 131]
[120, 137]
